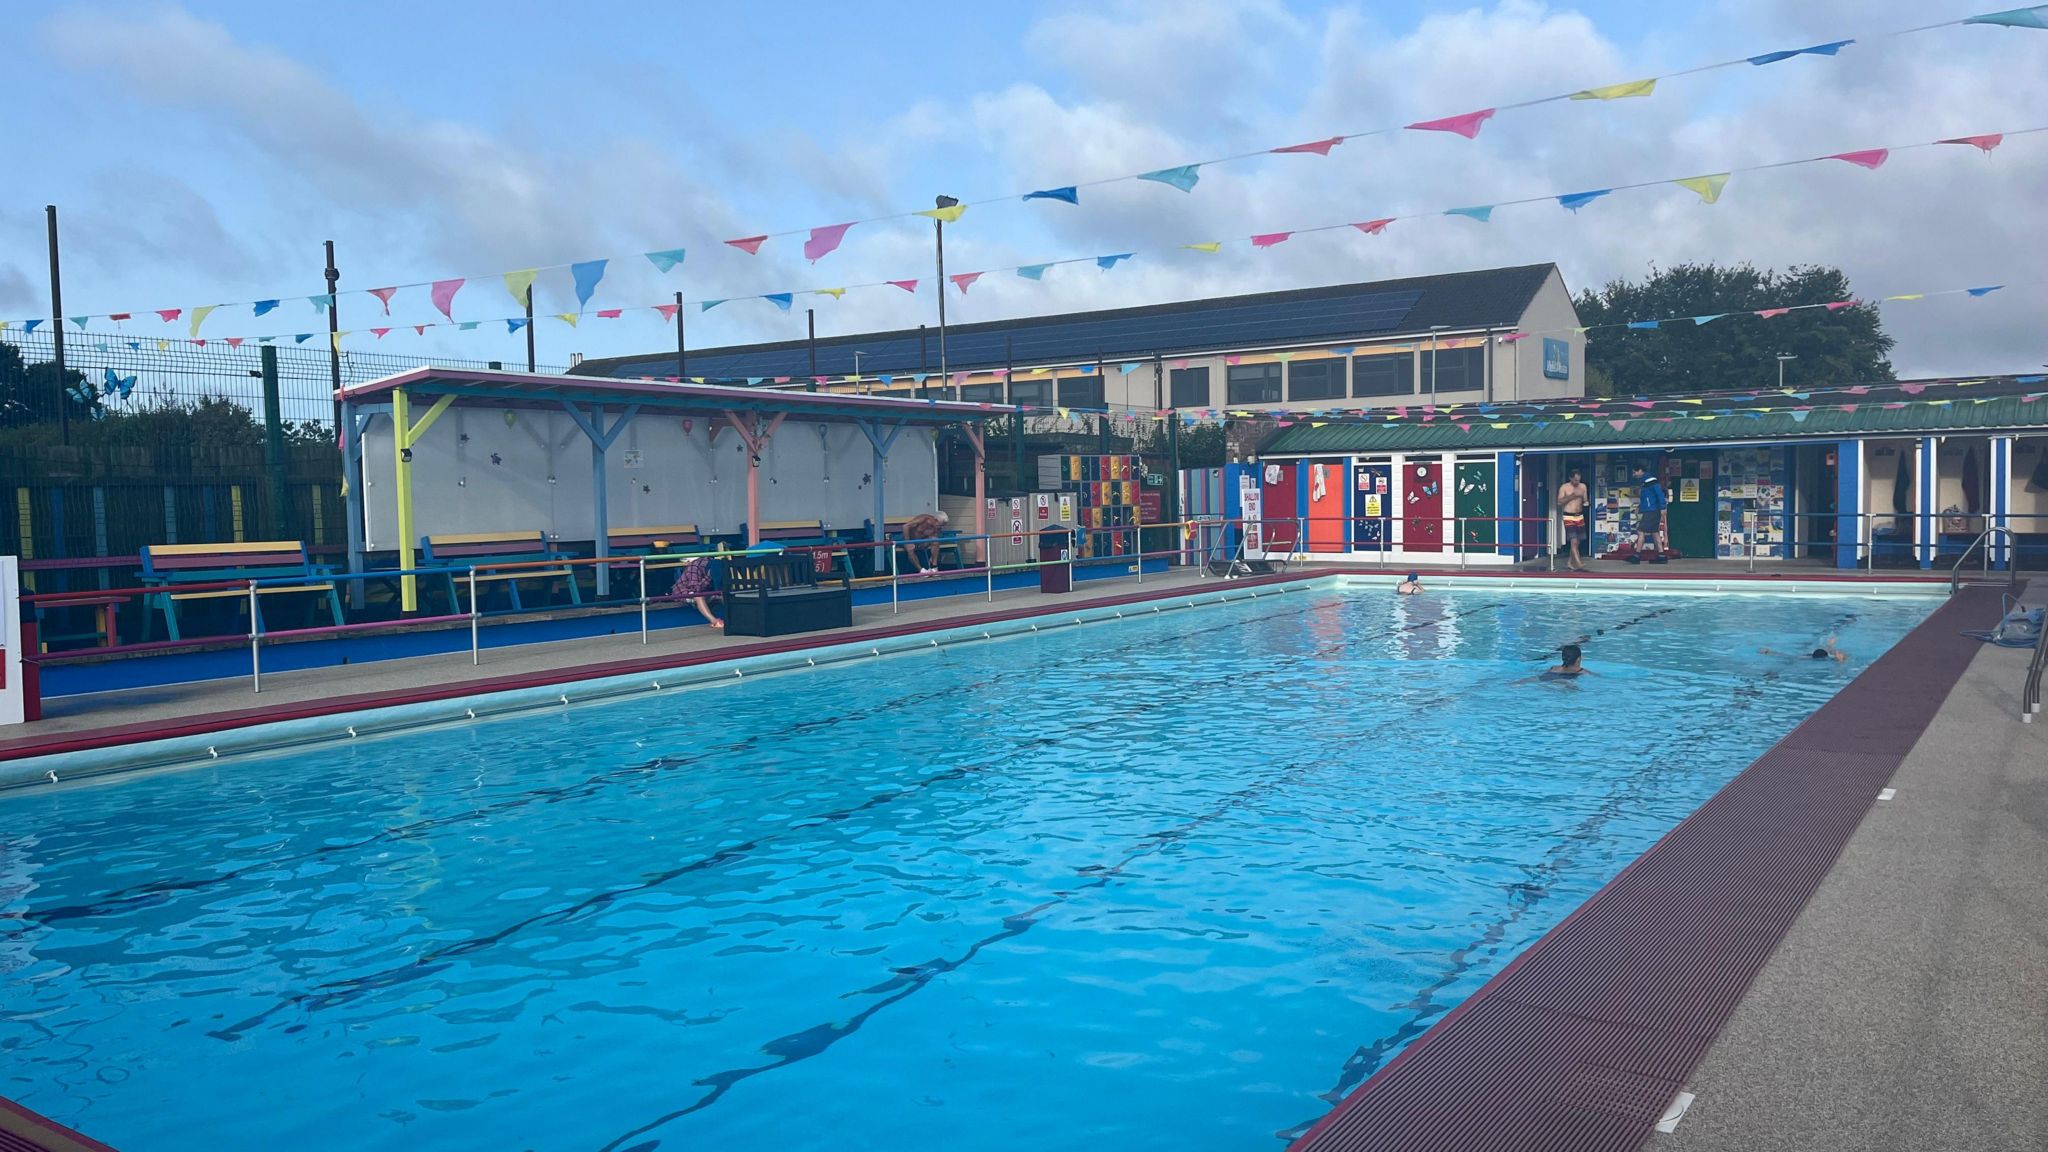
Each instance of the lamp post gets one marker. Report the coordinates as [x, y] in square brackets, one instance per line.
[939, 232]
[1782, 357]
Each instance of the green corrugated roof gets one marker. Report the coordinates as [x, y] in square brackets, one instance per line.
[1517, 426]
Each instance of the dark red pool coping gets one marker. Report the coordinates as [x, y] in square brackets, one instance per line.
[1581, 1042]
[23, 1131]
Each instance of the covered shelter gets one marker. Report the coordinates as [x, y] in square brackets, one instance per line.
[444, 451]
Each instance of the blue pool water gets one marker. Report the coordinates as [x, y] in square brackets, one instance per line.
[1179, 881]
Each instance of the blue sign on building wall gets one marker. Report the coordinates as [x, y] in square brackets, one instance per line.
[1557, 359]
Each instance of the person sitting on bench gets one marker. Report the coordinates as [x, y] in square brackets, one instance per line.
[694, 582]
[925, 526]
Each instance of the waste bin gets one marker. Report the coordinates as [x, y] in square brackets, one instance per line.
[1056, 559]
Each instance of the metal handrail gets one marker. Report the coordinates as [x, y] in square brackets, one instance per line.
[2030, 693]
[2012, 567]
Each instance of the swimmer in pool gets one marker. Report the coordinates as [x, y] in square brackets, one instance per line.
[1409, 587]
[1573, 664]
[1827, 651]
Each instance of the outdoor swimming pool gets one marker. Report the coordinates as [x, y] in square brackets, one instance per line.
[1180, 880]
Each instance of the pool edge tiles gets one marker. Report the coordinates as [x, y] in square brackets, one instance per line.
[1586, 1036]
[104, 753]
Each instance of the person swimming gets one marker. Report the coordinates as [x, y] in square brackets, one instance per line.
[1573, 665]
[1827, 651]
[1409, 587]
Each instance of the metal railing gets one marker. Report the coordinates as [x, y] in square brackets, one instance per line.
[1983, 540]
[2030, 692]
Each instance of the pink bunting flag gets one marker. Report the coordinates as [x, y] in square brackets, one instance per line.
[235, 341]
[1232, 359]
[1837, 305]
[1895, 404]
[1984, 143]
[380, 333]
[1466, 125]
[824, 240]
[907, 285]
[1848, 407]
[198, 343]
[420, 329]
[1267, 240]
[170, 314]
[610, 313]
[385, 294]
[1180, 365]
[1511, 337]
[963, 279]
[1374, 227]
[668, 311]
[1858, 390]
[1767, 313]
[1912, 389]
[1867, 158]
[751, 245]
[1463, 427]
[1319, 147]
[1644, 403]
[1618, 425]
[443, 293]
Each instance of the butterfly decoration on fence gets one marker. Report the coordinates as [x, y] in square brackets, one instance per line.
[116, 383]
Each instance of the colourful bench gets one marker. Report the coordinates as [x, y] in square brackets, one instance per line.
[167, 566]
[946, 543]
[672, 539]
[485, 550]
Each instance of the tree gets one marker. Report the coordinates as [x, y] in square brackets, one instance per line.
[30, 393]
[1740, 350]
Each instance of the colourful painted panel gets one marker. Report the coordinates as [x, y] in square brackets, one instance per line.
[1472, 503]
[1372, 505]
[1326, 507]
[1278, 505]
[1422, 506]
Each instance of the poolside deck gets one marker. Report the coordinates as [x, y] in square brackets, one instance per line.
[1922, 949]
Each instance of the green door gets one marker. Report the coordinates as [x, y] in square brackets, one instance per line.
[1473, 505]
[1692, 505]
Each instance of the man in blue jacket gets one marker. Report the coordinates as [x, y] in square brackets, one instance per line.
[1651, 540]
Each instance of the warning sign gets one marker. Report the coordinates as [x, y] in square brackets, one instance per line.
[1066, 508]
[1373, 510]
[1689, 490]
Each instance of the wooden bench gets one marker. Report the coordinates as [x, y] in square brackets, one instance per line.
[776, 595]
[487, 549]
[672, 539]
[946, 543]
[169, 565]
[803, 533]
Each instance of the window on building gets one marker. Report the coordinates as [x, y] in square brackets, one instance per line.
[1253, 384]
[1316, 380]
[1383, 375]
[1457, 369]
[1031, 393]
[1190, 387]
[1081, 392]
[982, 393]
[895, 393]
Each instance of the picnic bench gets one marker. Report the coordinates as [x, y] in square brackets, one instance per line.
[946, 543]
[166, 566]
[486, 550]
[775, 595]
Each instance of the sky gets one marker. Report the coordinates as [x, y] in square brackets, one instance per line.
[201, 153]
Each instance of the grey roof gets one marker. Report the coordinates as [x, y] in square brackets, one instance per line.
[1493, 298]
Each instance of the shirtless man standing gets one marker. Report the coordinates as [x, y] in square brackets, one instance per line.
[1571, 504]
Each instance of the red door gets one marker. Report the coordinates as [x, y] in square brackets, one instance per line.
[1277, 506]
[1326, 523]
[1422, 506]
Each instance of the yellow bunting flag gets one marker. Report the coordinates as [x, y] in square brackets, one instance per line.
[1318, 423]
[1038, 371]
[1618, 91]
[1708, 187]
[948, 214]
[1692, 401]
[1211, 246]
[517, 283]
[1062, 412]
[568, 318]
[834, 293]
[1705, 417]
[200, 314]
[1909, 296]
[1496, 425]
[335, 338]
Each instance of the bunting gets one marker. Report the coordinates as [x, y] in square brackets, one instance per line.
[587, 274]
[1708, 188]
[1033, 271]
[1184, 177]
[1481, 213]
[668, 311]
[1984, 143]
[1210, 246]
[1107, 262]
[199, 316]
[519, 284]
[781, 300]
[666, 259]
[835, 293]
[1626, 91]
[384, 296]
[1374, 227]
[262, 307]
[1269, 239]
[824, 240]
[1066, 195]
[947, 214]
[751, 245]
[1577, 200]
[1828, 49]
[2034, 17]
[443, 294]
[963, 280]
[907, 285]
[1318, 147]
[568, 318]
[1872, 158]
[1466, 125]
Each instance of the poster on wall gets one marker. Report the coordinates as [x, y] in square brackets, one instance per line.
[1066, 508]
[1044, 506]
[1689, 490]
[1373, 508]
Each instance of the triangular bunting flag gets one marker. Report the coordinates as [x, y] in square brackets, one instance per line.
[668, 311]
[1909, 296]
[170, 314]
[1643, 323]
[666, 259]
[384, 295]
[1210, 246]
[199, 316]
[906, 285]
[2035, 17]
[1577, 200]
[380, 333]
[781, 300]
[468, 325]
[947, 214]
[518, 284]
[751, 245]
[1466, 125]
[1618, 91]
[443, 294]
[420, 329]
[824, 240]
[1481, 213]
[334, 338]
[1984, 143]
[587, 273]
[1107, 262]
[322, 302]
[1184, 177]
[1319, 147]
[1067, 195]
[1986, 291]
[263, 306]
[1767, 313]
[612, 313]
[1867, 158]
[963, 279]
[1816, 50]
[1698, 320]
[1033, 271]
[515, 324]
[302, 337]
[835, 293]
[1128, 367]
[1374, 227]
[1707, 187]
[1269, 239]
[708, 305]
